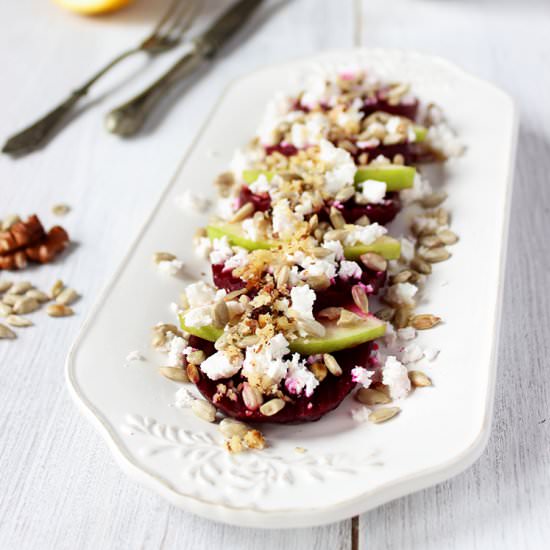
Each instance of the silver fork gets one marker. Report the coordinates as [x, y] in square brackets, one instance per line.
[167, 34]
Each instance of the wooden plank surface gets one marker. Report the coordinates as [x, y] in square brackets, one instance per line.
[59, 486]
[503, 502]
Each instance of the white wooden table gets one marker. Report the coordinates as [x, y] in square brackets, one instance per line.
[59, 487]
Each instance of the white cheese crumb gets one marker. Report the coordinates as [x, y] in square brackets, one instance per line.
[365, 234]
[336, 248]
[407, 250]
[284, 220]
[267, 361]
[299, 378]
[443, 139]
[250, 229]
[175, 351]
[396, 377]
[221, 251]
[218, 366]
[402, 293]
[203, 247]
[239, 259]
[260, 186]
[340, 165]
[199, 317]
[362, 376]
[411, 353]
[200, 294]
[407, 333]
[184, 398]
[360, 414]
[350, 270]
[171, 267]
[192, 202]
[372, 192]
[302, 298]
[421, 187]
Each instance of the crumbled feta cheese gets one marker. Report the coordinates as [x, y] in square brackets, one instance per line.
[407, 333]
[239, 259]
[266, 362]
[396, 377]
[365, 234]
[372, 192]
[411, 353]
[393, 124]
[260, 186]
[193, 202]
[294, 276]
[199, 317]
[219, 366]
[340, 166]
[250, 229]
[299, 378]
[221, 251]
[225, 208]
[350, 270]
[352, 115]
[184, 398]
[407, 250]
[171, 267]
[442, 138]
[421, 187]
[302, 298]
[284, 220]
[430, 354]
[203, 247]
[402, 293]
[305, 206]
[314, 267]
[390, 337]
[362, 376]
[336, 248]
[298, 135]
[175, 351]
[360, 414]
[200, 294]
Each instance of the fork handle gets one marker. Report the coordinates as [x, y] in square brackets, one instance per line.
[127, 119]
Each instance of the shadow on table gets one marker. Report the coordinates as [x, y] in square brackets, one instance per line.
[516, 458]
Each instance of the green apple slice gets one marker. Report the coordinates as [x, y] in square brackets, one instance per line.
[336, 337]
[250, 176]
[387, 247]
[420, 133]
[395, 176]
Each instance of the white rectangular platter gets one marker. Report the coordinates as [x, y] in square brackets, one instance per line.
[349, 467]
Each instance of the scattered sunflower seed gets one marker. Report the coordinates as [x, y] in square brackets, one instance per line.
[59, 310]
[196, 357]
[67, 296]
[10, 299]
[336, 218]
[332, 365]
[401, 317]
[204, 410]
[374, 261]
[163, 257]
[271, 407]
[5, 310]
[347, 318]
[192, 373]
[220, 313]
[446, 236]
[230, 427]
[425, 321]
[57, 288]
[430, 241]
[282, 276]
[319, 370]
[61, 209]
[363, 221]
[313, 327]
[252, 397]
[6, 333]
[25, 305]
[385, 313]
[360, 298]
[433, 199]
[369, 396]
[402, 276]
[174, 373]
[383, 414]
[318, 282]
[419, 379]
[330, 313]
[18, 321]
[345, 193]
[20, 287]
[420, 265]
[38, 295]
[5, 285]
[245, 211]
[434, 255]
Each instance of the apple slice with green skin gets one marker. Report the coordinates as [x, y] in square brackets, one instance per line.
[387, 247]
[336, 337]
[395, 176]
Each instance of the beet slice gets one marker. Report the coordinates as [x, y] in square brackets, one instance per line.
[326, 397]
[262, 202]
[224, 278]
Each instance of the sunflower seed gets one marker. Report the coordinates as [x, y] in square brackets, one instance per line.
[332, 365]
[6, 333]
[312, 327]
[230, 427]
[320, 252]
[330, 313]
[249, 341]
[319, 370]
[18, 321]
[204, 410]
[174, 373]
[224, 182]
[421, 265]
[419, 379]
[336, 218]
[273, 406]
[59, 310]
[362, 221]
[10, 299]
[374, 261]
[348, 318]
[252, 397]
[282, 276]
[25, 305]
[360, 298]
[318, 282]
[61, 209]
[5, 285]
[385, 413]
[245, 211]
[368, 396]
[5, 310]
[345, 193]
[56, 288]
[67, 296]
[433, 199]
[235, 294]
[8, 221]
[38, 295]
[446, 236]
[20, 288]
[401, 317]
[434, 255]
[313, 222]
[196, 357]
[336, 235]
[425, 321]
[402, 276]
[192, 373]
[398, 159]
[163, 257]
[385, 313]
[220, 313]
[442, 216]
[430, 241]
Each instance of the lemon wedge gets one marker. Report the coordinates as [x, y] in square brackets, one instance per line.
[92, 7]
